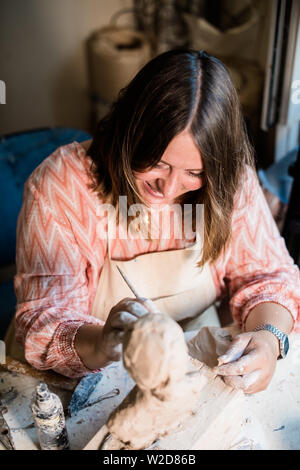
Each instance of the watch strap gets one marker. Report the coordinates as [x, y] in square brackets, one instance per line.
[282, 337]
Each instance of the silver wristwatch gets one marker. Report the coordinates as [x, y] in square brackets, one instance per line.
[282, 337]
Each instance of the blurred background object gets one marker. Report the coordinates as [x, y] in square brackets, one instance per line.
[291, 229]
[60, 70]
[115, 55]
[43, 60]
[277, 182]
[163, 23]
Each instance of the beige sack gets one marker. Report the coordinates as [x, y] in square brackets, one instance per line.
[236, 41]
[115, 55]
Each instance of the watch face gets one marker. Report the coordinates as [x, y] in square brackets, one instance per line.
[285, 347]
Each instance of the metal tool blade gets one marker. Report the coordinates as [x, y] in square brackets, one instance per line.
[83, 391]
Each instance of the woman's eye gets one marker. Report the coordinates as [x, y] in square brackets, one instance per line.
[160, 166]
[196, 175]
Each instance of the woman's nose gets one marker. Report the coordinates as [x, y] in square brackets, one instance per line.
[171, 184]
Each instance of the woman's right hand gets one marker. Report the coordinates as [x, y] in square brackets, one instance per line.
[121, 318]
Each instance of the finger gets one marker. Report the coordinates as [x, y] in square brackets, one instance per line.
[114, 337]
[115, 353]
[117, 349]
[149, 304]
[248, 382]
[136, 307]
[120, 305]
[112, 345]
[235, 350]
[246, 364]
[122, 319]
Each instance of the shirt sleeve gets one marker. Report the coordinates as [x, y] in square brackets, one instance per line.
[51, 285]
[256, 266]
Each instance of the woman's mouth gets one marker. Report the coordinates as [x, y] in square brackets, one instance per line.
[152, 191]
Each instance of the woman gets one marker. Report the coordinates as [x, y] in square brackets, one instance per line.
[175, 136]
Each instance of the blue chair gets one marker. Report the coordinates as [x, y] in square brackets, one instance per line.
[20, 154]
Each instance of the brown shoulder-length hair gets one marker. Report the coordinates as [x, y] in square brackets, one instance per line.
[175, 91]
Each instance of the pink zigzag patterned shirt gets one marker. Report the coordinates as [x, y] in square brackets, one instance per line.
[60, 257]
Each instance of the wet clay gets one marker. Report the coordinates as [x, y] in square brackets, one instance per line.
[166, 392]
[212, 342]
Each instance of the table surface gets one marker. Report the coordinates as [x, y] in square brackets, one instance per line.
[271, 419]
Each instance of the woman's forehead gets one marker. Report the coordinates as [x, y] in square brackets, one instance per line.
[182, 152]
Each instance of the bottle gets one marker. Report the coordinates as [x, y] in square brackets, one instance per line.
[49, 419]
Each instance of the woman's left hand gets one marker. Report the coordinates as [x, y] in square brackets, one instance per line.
[250, 361]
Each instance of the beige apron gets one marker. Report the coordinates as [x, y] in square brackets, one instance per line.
[170, 278]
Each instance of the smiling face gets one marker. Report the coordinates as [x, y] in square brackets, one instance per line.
[179, 171]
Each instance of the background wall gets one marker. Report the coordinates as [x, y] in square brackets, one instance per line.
[43, 60]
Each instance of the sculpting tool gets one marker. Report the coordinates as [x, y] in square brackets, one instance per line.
[133, 290]
[83, 391]
[151, 306]
[149, 302]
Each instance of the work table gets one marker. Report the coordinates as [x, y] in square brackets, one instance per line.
[271, 419]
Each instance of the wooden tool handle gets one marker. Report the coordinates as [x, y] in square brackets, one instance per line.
[131, 287]
[148, 302]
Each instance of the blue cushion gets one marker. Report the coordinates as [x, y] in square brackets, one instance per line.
[8, 305]
[10, 204]
[20, 154]
[276, 177]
